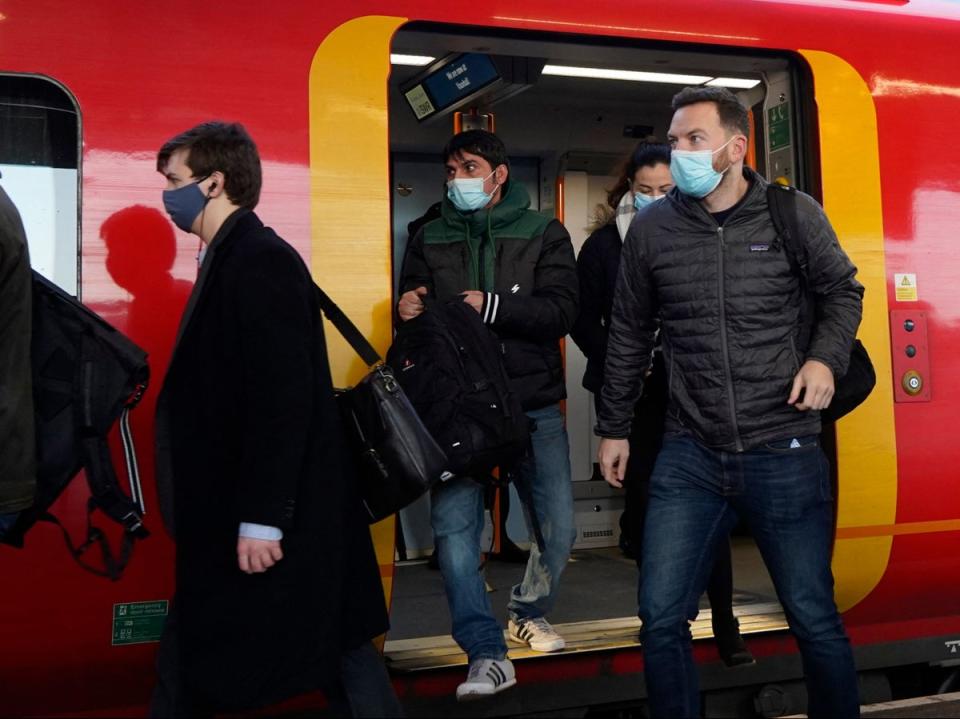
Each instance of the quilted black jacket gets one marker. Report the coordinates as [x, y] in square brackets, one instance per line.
[729, 306]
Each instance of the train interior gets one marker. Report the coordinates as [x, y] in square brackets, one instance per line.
[569, 111]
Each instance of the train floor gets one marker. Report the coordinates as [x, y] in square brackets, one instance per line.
[596, 608]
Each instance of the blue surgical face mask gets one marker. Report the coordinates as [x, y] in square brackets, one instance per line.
[185, 203]
[467, 194]
[693, 171]
[640, 200]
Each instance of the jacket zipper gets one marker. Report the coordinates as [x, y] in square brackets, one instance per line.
[483, 274]
[796, 355]
[728, 375]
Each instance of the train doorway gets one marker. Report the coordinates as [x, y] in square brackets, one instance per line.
[569, 110]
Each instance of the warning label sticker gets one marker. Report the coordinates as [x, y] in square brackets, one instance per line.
[905, 286]
[138, 622]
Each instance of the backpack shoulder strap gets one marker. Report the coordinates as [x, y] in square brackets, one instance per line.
[348, 330]
[782, 203]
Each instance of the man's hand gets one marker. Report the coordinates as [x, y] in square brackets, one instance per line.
[815, 379]
[613, 455]
[410, 303]
[474, 298]
[258, 555]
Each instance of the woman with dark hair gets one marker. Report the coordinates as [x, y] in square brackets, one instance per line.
[644, 178]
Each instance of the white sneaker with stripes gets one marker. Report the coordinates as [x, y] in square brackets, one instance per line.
[485, 678]
[537, 633]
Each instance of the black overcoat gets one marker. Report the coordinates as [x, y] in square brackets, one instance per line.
[248, 431]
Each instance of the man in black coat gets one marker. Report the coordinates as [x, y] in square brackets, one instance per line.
[278, 590]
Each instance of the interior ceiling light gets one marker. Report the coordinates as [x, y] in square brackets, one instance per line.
[735, 82]
[413, 60]
[631, 75]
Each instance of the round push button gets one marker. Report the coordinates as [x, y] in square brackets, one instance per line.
[912, 382]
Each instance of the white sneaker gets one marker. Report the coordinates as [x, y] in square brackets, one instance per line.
[485, 678]
[537, 633]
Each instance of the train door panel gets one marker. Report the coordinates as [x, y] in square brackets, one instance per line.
[597, 507]
[778, 131]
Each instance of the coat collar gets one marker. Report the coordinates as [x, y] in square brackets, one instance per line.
[753, 202]
[216, 246]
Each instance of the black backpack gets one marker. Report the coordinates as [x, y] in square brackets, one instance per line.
[855, 386]
[86, 375]
[451, 368]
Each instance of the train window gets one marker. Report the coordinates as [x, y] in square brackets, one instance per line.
[39, 162]
[570, 109]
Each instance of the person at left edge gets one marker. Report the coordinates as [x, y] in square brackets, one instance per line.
[278, 591]
[17, 445]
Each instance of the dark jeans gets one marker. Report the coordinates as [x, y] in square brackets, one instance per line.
[696, 497]
[363, 688]
[646, 438]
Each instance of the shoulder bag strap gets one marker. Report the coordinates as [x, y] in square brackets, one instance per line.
[348, 330]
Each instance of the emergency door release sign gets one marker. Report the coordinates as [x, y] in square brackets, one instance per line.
[138, 622]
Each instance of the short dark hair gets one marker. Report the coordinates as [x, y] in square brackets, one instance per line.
[222, 146]
[478, 142]
[733, 115]
[645, 154]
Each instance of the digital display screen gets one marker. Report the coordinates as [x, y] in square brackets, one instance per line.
[444, 87]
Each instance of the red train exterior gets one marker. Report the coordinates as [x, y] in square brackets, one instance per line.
[308, 81]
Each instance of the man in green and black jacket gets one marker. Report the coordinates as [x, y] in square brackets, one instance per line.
[517, 269]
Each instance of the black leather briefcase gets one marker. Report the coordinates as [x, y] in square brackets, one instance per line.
[397, 458]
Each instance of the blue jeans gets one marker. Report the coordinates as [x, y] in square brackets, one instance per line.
[696, 497]
[457, 519]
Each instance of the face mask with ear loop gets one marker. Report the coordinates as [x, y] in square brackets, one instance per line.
[693, 172]
[185, 204]
[640, 200]
[467, 193]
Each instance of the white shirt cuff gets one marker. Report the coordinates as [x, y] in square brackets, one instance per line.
[260, 531]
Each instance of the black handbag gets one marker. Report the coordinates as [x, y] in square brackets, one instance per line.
[397, 459]
[855, 386]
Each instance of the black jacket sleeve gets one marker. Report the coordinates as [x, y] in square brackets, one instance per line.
[633, 326]
[831, 279]
[277, 326]
[415, 271]
[549, 312]
[588, 330]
